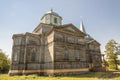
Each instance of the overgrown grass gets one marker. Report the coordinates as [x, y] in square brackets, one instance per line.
[111, 75]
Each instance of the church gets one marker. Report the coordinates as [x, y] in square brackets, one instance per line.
[54, 48]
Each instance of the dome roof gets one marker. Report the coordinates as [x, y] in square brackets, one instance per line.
[52, 13]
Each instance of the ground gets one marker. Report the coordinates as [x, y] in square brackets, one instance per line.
[109, 75]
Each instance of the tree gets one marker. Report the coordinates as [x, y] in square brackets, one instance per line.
[4, 62]
[118, 62]
[112, 51]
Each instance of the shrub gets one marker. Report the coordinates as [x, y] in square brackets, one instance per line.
[4, 62]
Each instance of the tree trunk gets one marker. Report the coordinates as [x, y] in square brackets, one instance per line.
[116, 67]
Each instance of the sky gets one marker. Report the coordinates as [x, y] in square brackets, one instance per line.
[101, 18]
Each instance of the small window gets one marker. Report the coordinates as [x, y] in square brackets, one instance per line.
[65, 37]
[77, 54]
[33, 55]
[55, 20]
[75, 40]
[16, 53]
[17, 41]
[15, 56]
[66, 56]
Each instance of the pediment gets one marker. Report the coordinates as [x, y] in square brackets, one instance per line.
[42, 28]
[71, 28]
[94, 42]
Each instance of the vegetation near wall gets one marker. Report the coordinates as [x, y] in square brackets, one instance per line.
[4, 62]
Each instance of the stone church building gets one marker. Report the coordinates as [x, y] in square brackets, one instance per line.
[53, 48]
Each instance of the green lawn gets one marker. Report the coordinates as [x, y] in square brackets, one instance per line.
[111, 75]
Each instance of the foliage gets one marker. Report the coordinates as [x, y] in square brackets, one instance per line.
[111, 75]
[112, 51]
[4, 62]
[119, 62]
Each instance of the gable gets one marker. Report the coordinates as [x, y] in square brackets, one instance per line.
[72, 29]
[42, 28]
[94, 42]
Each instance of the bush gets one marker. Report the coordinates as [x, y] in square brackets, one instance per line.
[4, 62]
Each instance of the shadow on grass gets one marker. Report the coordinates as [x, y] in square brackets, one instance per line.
[100, 75]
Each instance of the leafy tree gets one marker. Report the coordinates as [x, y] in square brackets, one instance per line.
[112, 51]
[4, 62]
[119, 62]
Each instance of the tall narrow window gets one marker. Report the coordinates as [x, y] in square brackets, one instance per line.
[33, 55]
[77, 54]
[15, 56]
[65, 37]
[55, 20]
[75, 40]
[17, 41]
[66, 56]
[16, 53]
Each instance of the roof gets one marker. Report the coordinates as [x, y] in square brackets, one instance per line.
[40, 25]
[51, 12]
[92, 41]
[61, 27]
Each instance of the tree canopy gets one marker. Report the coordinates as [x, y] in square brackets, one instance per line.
[4, 62]
[112, 51]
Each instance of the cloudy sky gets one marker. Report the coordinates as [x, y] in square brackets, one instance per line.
[101, 18]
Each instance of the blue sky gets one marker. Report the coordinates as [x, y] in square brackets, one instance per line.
[101, 18]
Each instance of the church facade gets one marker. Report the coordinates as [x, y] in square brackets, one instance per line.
[53, 48]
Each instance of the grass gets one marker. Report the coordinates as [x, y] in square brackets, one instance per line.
[110, 75]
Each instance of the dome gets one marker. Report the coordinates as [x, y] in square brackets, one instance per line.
[51, 12]
[52, 18]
